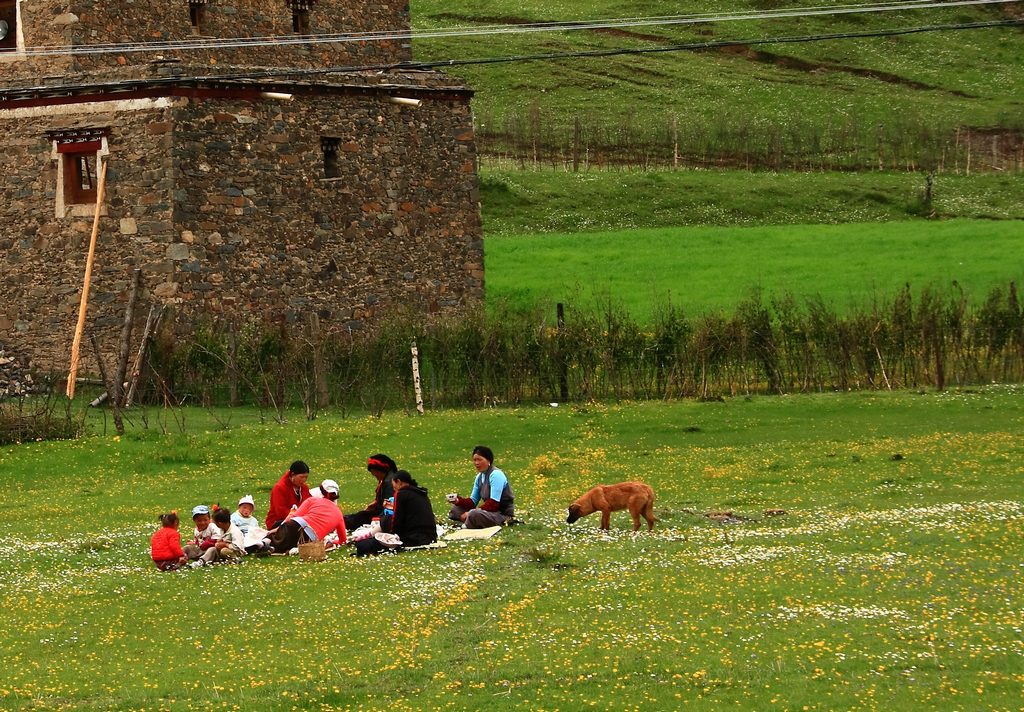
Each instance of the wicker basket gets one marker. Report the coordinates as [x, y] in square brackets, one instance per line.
[311, 550]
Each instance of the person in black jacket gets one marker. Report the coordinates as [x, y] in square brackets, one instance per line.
[413, 520]
[383, 468]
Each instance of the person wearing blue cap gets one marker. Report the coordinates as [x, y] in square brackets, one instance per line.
[204, 535]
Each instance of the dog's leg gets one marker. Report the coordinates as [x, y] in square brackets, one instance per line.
[649, 515]
[634, 512]
[606, 519]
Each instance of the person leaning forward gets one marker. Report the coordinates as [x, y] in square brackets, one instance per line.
[491, 502]
[383, 468]
[316, 517]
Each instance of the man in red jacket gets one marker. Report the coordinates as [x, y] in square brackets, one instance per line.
[289, 492]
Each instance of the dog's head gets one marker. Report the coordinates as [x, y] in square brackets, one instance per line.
[574, 513]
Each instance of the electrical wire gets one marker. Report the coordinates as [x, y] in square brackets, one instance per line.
[526, 28]
[293, 74]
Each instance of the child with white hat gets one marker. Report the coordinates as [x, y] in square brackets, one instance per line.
[242, 517]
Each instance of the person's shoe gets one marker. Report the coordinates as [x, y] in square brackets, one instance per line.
[198, 563]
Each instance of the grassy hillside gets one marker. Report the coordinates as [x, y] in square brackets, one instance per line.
[903, 96]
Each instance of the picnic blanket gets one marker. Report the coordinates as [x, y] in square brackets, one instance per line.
[460, 534]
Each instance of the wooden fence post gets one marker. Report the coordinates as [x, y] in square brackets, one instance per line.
[416, 378]
[563, 369]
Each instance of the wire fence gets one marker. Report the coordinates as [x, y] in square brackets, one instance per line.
[539, 139]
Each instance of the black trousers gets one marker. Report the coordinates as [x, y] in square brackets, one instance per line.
[369, 547]
[286, 537]
[354, 521]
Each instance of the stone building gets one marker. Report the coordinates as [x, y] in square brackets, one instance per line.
[243, 180]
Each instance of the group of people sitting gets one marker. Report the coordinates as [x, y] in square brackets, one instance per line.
[399, 517]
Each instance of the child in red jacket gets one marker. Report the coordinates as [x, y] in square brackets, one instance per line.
[166, 544]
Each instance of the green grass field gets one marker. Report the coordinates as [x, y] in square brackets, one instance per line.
[515, 202]
[714, 268]
[893, 580]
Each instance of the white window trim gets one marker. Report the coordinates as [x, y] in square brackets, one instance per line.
[76, 210]
[19, 51]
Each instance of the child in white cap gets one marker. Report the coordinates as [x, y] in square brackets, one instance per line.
[242, 518]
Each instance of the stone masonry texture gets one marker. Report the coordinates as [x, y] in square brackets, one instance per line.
[218, 191]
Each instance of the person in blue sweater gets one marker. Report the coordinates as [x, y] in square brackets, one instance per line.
[491, 502]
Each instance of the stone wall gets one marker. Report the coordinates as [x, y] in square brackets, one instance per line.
[266, 230]
[89, 22]
[223, 203]
[42, 258]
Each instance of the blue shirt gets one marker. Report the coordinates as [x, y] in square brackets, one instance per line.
[498, 484]
[244, 523]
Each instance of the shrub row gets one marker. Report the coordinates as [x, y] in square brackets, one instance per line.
[929, 339]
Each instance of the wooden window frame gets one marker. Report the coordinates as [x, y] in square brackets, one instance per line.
[80, 176]
[77, 154]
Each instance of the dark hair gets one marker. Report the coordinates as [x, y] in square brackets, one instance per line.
[223, 514]
[484, 452]
[403, 476]
[381, 458]
[299, 468]
[169, 519]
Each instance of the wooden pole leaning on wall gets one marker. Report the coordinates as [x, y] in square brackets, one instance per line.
[76, 344]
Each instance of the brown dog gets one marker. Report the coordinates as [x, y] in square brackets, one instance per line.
[637, 497]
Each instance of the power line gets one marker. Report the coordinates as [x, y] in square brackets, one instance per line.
[527, 28]
[416, 66]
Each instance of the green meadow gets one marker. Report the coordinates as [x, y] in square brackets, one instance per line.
[704, 269]
[893, 579]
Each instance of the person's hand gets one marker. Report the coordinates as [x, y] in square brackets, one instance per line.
[463, 517]
[182, 559]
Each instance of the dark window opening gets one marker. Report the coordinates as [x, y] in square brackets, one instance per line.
[300, 21]
[197, 14]
[79, 178]
[332, 167]
[8, 26]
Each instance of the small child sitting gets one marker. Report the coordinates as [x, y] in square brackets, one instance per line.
[228, 546]
[166, 544]
[242, 518]
[204, 535]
